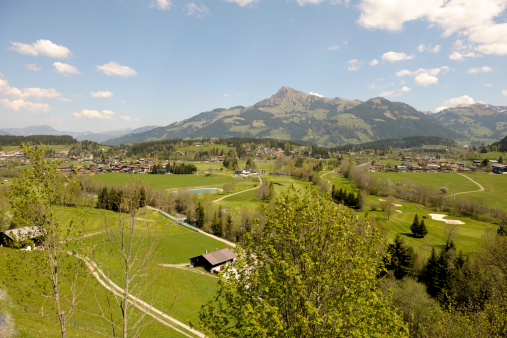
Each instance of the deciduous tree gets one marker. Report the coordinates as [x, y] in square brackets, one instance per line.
[311, 273]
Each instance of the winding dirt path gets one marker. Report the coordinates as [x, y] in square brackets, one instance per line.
[138, 303]
[481, 188]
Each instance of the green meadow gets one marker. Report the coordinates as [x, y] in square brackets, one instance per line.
[466, 236]
[167, 181]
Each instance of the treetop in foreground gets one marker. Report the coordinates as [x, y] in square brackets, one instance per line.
[312, 272]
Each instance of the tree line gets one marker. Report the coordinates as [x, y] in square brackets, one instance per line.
[10, 140]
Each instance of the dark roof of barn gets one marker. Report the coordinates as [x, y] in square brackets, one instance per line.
[219, 256]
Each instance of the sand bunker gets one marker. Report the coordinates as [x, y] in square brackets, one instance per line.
[440, 217]
[401, 212]
[397, 205]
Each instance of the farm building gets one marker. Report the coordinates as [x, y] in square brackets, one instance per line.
[213, 261]
[499, 168]
[17, 236]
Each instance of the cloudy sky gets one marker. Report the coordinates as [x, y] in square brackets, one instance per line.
[107, 64]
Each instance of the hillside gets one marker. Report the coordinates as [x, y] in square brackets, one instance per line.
[400, 143]
[294, 115]
[80, 136]
[482, 123]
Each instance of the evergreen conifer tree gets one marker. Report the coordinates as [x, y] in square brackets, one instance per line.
[415, 226]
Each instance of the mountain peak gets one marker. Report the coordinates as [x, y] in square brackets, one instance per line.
[287, 95]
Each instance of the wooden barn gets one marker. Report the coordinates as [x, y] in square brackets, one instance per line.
[19, 236]
[214, 261]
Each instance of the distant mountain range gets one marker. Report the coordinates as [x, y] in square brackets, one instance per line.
[80, 136]
[482, 123]
[293, 115]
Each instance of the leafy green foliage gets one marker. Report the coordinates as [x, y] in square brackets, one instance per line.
[311, 272]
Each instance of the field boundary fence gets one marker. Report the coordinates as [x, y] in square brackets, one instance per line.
[179, 221]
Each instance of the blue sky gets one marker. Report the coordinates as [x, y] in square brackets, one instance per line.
[100, 65]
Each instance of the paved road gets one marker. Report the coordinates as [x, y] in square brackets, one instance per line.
[138, 303]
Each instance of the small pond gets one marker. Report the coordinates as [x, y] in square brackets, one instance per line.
[202, 191]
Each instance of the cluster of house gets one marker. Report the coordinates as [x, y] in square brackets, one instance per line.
[434, 165]
[101, 166]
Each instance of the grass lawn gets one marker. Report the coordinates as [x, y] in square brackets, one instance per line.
[452, 181]
[494, 190]
[467, 236]
[208, 147]
[182, 292]
[167, 181]
[26, 310]
[339, 182]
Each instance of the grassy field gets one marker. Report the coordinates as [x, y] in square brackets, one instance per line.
[494, 190]
[466, 236]
[181, 291]
[167, 181]
[208, 147]
[452, 181]
[27, 310]
[494, 185]
[339, 182]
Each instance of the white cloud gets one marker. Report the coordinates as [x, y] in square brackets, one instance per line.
[122, 101]
[335, 47]
[164, 5]
[488, 85]
[242, 3]
[197, 10]
[33, 66]
[394, 56]
[20, 104]
[39, 93]
[102, 94]
[316, 94]
[42, 47]
[373, 86]
[388, 93]
[95, 114]
[373, 62]
[405, 89]
[504, 92]
[472, 19]
[354, 64]
[128, 118]
[115, 69]
[424, 77]
[311, 2]
[439, 109]
[64, 68]
[429, 48]
[478, 70]
[455, 101]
